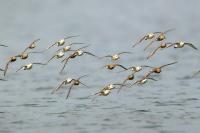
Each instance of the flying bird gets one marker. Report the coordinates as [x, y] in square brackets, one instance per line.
[73, 82]
[115, 56]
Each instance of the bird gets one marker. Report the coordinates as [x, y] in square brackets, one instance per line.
[181, 44]
[57, 55]
[32, 45]
[61, 42]
[150, 36]
[161, 36]
[115, 56]
[113, 66]
[61, 52]
[143, 80]
[159, 69]
[106, 90]
[128, 78]
[136, 69]
[78, 52]
[73, 82]
[25, 55]
[10, 60]
[68, 47]
[162, 46]
[29, 66]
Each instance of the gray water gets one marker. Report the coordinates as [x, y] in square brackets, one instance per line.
[170, 105]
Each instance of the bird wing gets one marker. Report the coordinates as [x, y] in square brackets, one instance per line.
[51, 59]
[64, 66]
[169, 30]
[149, 45]
[90, 54]
[71, 37]
[191, 45]
[38, 63]
[75, 43]
[124, 53]
[152, 53]
[68, 93]
[20, 68]
[141, 39]
[6, 68]
[30, 45]
[52, 45]
[83, 47]
[56, 89]
[82, 76]
[168, 64]
[121, 66]
[84, 84]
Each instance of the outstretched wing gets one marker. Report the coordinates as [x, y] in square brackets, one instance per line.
[168, 64]
[37, 63]
[71, 37]
[56, 89]
[107, 56]
[69, 91]
[84, 84]
[191, 45]
[20, 68]
[121, 66]
[124, 53]
[152, 53]
[90, 54]
[139, 41]
[6, 67]
[149, 45]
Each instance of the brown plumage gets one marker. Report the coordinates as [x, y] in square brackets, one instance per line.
[162, 46]
[159, 69]
[161, 36]
[113, 66]
[150, 36]
[115, 56]
[61, 42]
[73, 82]
[32, 45]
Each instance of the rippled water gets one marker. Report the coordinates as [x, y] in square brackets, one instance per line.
[170, 105]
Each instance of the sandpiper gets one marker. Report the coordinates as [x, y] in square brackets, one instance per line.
[161, 36]
[113, 66]
[73, 82]
[61, 52]
[162, 46]
[143, 80]
[32, 45]
[150, 36]
[61, 42]
[78, 52]
[11, 60]
[29, 66]
[136, 69]
[181, 44]
[115, 56]
[129, 78]
[159, 69]
[107, 90]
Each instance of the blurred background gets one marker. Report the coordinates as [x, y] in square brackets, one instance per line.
[169, 105]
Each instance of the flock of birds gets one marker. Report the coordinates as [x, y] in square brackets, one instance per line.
[64, 46]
